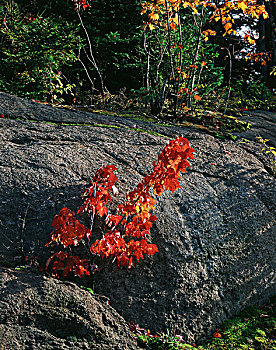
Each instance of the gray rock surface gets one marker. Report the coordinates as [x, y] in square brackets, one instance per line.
[263, 125]
[43, 313]
[216, 236]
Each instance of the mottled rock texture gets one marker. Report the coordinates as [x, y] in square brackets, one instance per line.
[216, 236]
[263, 125]
[42, 313]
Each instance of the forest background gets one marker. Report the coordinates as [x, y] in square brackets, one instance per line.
[140, 54]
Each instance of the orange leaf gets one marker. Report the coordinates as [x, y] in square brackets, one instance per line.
[228, 26]
[198, 98]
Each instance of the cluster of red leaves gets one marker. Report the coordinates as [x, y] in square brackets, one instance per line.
[66, 263]
[129, 231]
[260, 57]
[97, 195]
[186, 90]
[68, 230]
[81, 4]
[217, 334]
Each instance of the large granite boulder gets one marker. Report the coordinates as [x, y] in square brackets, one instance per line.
[216, 236]
[42, 313]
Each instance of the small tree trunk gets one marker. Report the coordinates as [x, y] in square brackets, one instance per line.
[92, 58]
[229, 80]
[192, 80]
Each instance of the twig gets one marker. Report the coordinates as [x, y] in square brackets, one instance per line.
[92, 59]
[229, 81]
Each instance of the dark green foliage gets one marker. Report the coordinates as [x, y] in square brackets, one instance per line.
[163, 342]
[41, 41]
[252, 93]
[34, 54]
[252, 329]
[115, 31]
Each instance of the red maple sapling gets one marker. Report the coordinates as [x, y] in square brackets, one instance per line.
[128, 230]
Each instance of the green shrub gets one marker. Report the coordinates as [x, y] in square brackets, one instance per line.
[34, 54]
